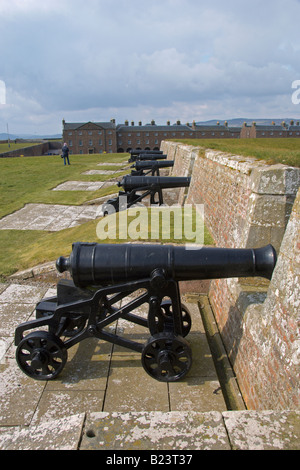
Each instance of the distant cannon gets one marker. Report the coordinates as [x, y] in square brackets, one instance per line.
[136, 188]
[150, 155]
[103, 278]
[144, 168]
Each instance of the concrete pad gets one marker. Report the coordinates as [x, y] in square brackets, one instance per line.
[79, 186]
[63, 403]
[124, 164]
[155, 431]
[48, 217]
[263, 430]
[197, 394]
[131, 388]
[61, 434]
[19, 395]
[21, 293]
[99, 172]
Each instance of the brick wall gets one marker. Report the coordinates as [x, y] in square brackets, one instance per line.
[250, 204]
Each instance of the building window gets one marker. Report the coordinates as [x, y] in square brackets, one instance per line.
[90, 143]
[100, 132]
[138, 134]
[156, 142]
[70, 133]
[79, 132]
[129, 142]
[109, 141]
[129, 135]
[90, 132]
[138, 142]
[70, 143]
[147, 141]
[120, 142]
[100, 141]
[80, 143]
[110, 132]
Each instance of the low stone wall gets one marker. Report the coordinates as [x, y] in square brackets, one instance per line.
[248, 204]
[32, 151]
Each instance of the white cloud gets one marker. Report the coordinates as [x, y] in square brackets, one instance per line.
[168, 58]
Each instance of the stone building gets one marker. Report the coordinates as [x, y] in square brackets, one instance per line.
[109, 137]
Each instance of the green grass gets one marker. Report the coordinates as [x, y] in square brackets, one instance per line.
[30, 180]
[271, 151]
[4, 147]
[22, 249]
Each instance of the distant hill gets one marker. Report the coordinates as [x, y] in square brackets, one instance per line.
[3, 136]
[238, 122]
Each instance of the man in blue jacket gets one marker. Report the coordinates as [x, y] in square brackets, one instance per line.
[65, 153]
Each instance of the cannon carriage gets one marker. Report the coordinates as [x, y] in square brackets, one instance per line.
[102, 275]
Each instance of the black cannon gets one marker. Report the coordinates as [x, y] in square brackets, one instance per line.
[109, 282]
[147, 156]
[144, 168]
[136, 188]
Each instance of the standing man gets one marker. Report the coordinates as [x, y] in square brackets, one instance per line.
[65, 153]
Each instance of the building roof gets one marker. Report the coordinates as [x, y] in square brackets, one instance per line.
[77, 125]
[153, 128]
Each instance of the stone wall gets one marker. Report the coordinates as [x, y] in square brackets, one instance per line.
[249, 204]
[32, 151]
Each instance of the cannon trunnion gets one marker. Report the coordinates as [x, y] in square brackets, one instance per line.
[110, 282]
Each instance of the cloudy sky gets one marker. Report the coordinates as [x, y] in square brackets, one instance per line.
[165, 60]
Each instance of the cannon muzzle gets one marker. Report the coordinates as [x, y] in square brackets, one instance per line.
[130, 183]
[105, 264]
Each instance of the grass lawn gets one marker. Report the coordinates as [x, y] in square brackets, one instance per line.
[286, 151]
[30, 180]
[4, 147]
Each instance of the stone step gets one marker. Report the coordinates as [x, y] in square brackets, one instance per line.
[175, 432]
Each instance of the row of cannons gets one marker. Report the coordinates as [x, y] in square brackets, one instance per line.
[108, 282]
[144, 181]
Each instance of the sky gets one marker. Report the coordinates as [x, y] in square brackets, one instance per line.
[94, 60]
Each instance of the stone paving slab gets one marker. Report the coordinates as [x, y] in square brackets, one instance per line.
[99, 172]
[62, 434]
[82, 185]
[103, 399]
[48, 217]
[263, 430]
[155, 431]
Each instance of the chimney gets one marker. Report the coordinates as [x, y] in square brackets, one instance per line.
[178, 123]
[140, 123]
[168, 123]
[194, 125]
[152, 122]
[132, 123]
[126, 122]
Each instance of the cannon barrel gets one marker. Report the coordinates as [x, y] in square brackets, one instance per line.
[152, 164]
[139, 151]
[150, 156]
[130, 183]
[108, 264]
